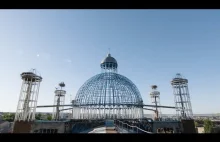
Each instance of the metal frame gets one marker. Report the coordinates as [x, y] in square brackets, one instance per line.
[182, 97]
[59, 100]
[27, 103]
[108, 95]
[143, 105]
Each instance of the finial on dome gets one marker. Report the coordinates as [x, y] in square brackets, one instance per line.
[109, 55]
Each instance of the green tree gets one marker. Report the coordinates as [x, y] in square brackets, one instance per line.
[49, 117]
[38, 116]
[9, 117]
[208, 126]
[196, 124]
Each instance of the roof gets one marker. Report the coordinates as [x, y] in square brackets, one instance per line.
[91, 92]
[109, 59]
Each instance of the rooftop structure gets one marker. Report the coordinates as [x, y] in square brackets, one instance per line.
[107, 100]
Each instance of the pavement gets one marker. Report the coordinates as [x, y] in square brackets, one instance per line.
[104, 130]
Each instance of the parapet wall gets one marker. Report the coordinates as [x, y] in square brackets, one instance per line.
[39, 127]
[188, 126]
[22, 126]
[48, 127]
[174, 125]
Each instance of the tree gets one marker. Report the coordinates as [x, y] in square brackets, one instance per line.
[9, 117]
[38, 116]
[208, 126]
[196, 124]
[49, 117]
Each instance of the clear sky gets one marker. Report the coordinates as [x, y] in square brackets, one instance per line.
[151, 46]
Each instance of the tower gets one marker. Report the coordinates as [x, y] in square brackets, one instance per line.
[28, 96]
[182, 97]
[155, 99]
[59, 99]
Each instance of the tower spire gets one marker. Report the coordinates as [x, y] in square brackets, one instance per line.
[109, 55]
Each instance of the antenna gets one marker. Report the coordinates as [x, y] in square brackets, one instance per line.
[109, 50]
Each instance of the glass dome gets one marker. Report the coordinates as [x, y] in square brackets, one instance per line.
[108, 95]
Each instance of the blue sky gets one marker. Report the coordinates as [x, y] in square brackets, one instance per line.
[151, 46]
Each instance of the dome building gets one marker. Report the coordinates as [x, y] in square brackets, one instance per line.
[108, 95]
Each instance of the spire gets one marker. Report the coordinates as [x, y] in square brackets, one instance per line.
[109, 55]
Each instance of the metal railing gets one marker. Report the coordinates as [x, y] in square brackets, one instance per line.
[129, 128]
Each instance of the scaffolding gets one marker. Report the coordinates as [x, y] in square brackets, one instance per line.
[27, 103]
[182, 97]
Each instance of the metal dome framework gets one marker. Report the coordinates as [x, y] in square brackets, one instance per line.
[108, 95]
